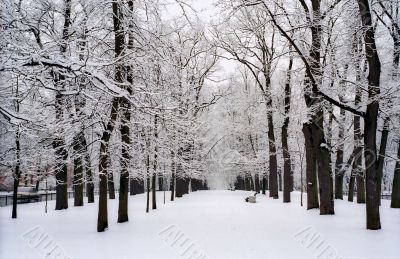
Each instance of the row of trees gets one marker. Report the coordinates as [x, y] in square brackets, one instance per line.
[343, 56]
[115, 89]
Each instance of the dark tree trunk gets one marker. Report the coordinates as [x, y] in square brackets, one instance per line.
[154, 178]
[59, 142]
[381, 158]
[396, 54]
[104, 163]
[350, 196]
[264, 184]
[311, 177]
[17, 169]
[125, 109]
[89, 177]
[280, 180]
[257, 183]
[111, 186]
[61, 175]
[371, 116]
[357, 172]
[325, 181]
[179, 187]
[154, 190]
[287, 178]
[273, 164]
[339, 172]
[172, 188]
[102, 221]
[313, 101]
[78, 171]
[125, 159]
[148, 182]
[352, 177]
[395, 203]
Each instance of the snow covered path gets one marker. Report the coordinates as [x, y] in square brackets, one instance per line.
[218, 224]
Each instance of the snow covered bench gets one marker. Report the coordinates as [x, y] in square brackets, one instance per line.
[251, 199]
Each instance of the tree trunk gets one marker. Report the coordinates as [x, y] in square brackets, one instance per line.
[148, 181]
[125, 159]
[350, 196]
[89, 177]
[311, 177]
[17, 169]
[339, 172]
[381, 158]
[352, 179]
[104, 163]
[172, 188]
[82, 159]
[102, 221]
[273, 164]
[370, 119]
[59, 142]
[61, 173]
[280, 180]
[154, 178]
[125, 107]
[111, 186]
[264, 184]
[325, 180]
[78, 171]
[287, 170]
[179, 187]
[395, 203]
[257, 183]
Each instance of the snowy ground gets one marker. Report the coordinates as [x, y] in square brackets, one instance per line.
[216, 224]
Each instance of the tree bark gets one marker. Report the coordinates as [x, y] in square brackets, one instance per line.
[89, 177]
[125, 107]
[17, 174]
[102, 220]
[125, 159]
[148, 181]
[381, 158]
[173, 176]
[273, 164]
[111, 186]
[59, 142]
[179, 187]
[154, 178]
[104, 163]
[311, 177]
[78, 171]
[395, 203]
[287, 170]
[264, 184]
[339, 172]
[370, 119]
[257, 183]
[357, 171]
